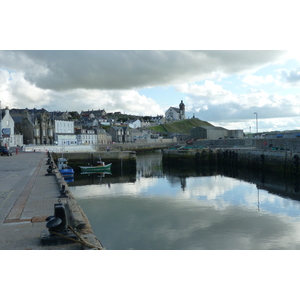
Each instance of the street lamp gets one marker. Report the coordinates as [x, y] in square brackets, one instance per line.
[256, 125]
[1, 138]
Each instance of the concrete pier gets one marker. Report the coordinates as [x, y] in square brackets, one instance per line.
[27, 198]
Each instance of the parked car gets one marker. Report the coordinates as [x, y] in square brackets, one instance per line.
[190, 142]
[5, 151]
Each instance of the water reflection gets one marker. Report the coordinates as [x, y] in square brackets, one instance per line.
[164, 208]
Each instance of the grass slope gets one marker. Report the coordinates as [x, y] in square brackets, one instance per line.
[183, 127]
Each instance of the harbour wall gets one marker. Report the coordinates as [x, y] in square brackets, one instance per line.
[284, 161]
[93, 157]
[292, 144]
[120, 159]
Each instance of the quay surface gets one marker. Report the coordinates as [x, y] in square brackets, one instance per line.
[27, 197]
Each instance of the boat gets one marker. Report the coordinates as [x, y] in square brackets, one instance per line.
[101, 167]
[63, 167]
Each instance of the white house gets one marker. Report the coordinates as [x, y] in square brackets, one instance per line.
[64, 133]
[176, 114]
[86, 137]
[10, 136]
[134, 124]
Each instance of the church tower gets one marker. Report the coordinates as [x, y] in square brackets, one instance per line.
[181, 110]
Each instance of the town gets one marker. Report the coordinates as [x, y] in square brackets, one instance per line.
[91, 127]
[39, 126]
[20, 127]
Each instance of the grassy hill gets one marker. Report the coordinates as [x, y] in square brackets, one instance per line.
[183, 127]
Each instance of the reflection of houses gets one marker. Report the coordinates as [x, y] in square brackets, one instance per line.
[212, 133]
[10, 135]
[36, 125]
[175, 114]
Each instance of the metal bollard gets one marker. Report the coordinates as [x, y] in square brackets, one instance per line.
[49, 170]
[63, 192]
[58, 222]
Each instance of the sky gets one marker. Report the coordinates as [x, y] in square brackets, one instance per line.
[119, 68]
[225, 87]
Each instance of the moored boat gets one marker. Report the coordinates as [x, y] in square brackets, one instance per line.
[101, 167]
[64, 168]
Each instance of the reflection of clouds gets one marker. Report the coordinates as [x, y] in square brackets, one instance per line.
[117, 189]
[212, 213]
[210, 187]
[214, 191]
[169, 224]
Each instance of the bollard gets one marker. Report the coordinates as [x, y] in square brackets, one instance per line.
[49, 170]
[63, 192]
[17, 150]
[59, 221]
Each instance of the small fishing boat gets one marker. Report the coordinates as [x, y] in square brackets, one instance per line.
[63, 167]
[101, 167]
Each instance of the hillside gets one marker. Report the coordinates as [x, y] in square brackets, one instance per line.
[183, 127]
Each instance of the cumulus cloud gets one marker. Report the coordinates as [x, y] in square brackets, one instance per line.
[128, 101]
[288, 78]
[212, 102]
[78, 80]
[63, 70]
[257, 80]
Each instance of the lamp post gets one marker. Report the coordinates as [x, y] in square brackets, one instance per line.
[256, 124]
[1, 138]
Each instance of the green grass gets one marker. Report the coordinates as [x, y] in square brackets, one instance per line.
[183, 127]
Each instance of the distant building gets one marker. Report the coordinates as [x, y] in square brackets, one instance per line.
[175, 114]
[213, 133]
[36, 125]
[10, 134]
[93, 113]
[117, 133]
[101, 136]
[64, 133]
[134, 124]
[86, 137]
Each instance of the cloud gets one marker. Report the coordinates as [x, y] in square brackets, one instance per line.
[20, 93]
[128, 101]
[213, 103]
[77, 80]
[288, 78]
[63, 70]
[257, 80]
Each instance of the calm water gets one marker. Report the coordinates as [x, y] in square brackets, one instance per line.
[159, 208]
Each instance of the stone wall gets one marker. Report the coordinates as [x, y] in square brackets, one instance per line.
[292, 144]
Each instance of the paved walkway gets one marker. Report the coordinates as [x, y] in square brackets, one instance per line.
[27, 197]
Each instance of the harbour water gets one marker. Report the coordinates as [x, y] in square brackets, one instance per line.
[173, 208]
